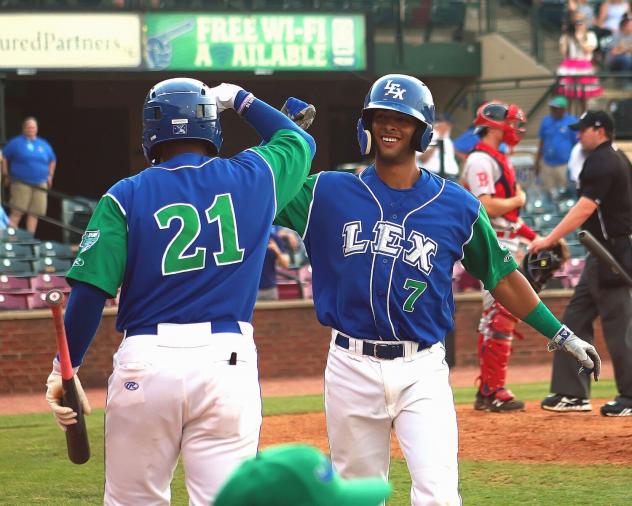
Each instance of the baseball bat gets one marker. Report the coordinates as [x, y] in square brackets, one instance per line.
[76, 435]
[598, 249]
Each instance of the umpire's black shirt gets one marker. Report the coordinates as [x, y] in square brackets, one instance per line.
[606, 178]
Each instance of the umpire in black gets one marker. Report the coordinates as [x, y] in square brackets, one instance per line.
[604, 209]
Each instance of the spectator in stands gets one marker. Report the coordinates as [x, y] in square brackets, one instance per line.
[440, 158]
[610, 14]
[584, 7]
[575, 164]
[29, 163]
[554, 149]
[276, 255]
[464, 144]
[620, 55]
[577, 79]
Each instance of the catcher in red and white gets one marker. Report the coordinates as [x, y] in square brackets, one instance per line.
[490, 176]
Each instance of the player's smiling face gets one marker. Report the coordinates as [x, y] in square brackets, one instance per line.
[392, 133]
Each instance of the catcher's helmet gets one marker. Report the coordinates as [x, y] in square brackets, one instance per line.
[405, 94]
[539, 267]
[180, 108]
[508, 117]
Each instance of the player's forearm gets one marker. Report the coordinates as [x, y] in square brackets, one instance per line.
[283, 260]
[82, 318]
[497, 206]
[576, 217]
[266, 120]
[516, 294]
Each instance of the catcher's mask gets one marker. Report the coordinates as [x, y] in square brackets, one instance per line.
[508, 117]
[539, 267]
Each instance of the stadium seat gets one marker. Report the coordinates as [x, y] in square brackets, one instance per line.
[17, 251]
[37, 300]
[11, 234]
[45, 282]
[51, 265]
[15, 267]
[12, 302]
[14, 284]
[55, 249]
[576, 249]
[447, 13]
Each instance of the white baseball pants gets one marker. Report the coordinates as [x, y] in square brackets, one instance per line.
[174, 394]
[366, 398]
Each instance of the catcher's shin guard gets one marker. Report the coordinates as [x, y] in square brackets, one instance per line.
[496, 328]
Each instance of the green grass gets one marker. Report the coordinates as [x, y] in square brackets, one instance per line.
[34, 468]
[462, 395]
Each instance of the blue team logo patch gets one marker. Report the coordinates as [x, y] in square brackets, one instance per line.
[89, 239]
[131, 385]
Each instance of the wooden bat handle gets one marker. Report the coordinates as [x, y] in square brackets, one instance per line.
[77, 442]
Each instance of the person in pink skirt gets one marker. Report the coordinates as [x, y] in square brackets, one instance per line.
[577, 80]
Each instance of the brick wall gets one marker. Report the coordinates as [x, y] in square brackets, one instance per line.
[289, 339]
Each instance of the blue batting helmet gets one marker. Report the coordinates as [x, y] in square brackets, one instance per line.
[180, 108]
[402, 93]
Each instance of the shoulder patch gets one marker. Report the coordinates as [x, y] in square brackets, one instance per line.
[89, 239]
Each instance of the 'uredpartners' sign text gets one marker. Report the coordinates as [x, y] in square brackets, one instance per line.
[64, 41]
[255, 42]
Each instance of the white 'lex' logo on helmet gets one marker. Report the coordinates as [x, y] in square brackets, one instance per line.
[394, 89]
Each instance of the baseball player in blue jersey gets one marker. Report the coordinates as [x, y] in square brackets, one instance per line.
[185, 240]
[382, 248]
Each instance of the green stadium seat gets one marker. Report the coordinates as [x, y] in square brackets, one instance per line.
[55, 249]
[16, 251]
[447, 13]
[12, 267]
[51, 265]
[11, 234]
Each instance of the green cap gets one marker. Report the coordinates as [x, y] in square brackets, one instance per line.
[297, 475]
[559, 102]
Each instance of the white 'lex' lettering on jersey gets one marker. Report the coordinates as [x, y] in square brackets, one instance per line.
[387, 239]
[351, 245]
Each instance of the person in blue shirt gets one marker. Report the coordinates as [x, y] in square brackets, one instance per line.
[28, 161]
[556, 142]
[464, 143]
[276, 254]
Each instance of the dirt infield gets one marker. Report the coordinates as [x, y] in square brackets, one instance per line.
[530, 436]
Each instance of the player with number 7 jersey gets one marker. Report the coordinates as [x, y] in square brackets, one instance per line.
[382, 248]
[185, 240]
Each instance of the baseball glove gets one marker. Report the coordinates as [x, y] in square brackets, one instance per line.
[539, 267]
[299, 112]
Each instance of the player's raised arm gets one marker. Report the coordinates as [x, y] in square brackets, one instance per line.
[484, 258]
[288, 149]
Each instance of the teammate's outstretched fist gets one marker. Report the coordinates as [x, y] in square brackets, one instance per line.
[299, 112]
[225, 95]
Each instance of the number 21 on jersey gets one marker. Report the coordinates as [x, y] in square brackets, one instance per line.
[174, 259]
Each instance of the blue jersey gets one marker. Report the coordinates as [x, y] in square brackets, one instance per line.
[382, 258]
[186, 240]
[29, 159]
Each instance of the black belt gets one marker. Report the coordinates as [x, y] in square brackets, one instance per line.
[378, 350]
[216, 328]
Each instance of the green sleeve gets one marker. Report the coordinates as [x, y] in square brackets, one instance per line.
[103, 250]
[296, 213]
[289, 157]
[483, 257]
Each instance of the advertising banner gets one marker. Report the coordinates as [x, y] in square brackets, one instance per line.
[70, 41]
[255, 42]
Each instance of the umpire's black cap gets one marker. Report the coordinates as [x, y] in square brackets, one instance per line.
[594, 119]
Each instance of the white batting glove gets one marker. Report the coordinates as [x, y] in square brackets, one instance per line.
[54, 391]
[225, 95]
[584, 353]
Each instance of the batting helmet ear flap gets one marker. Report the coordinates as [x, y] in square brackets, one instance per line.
[364, 138]
[422, 137]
